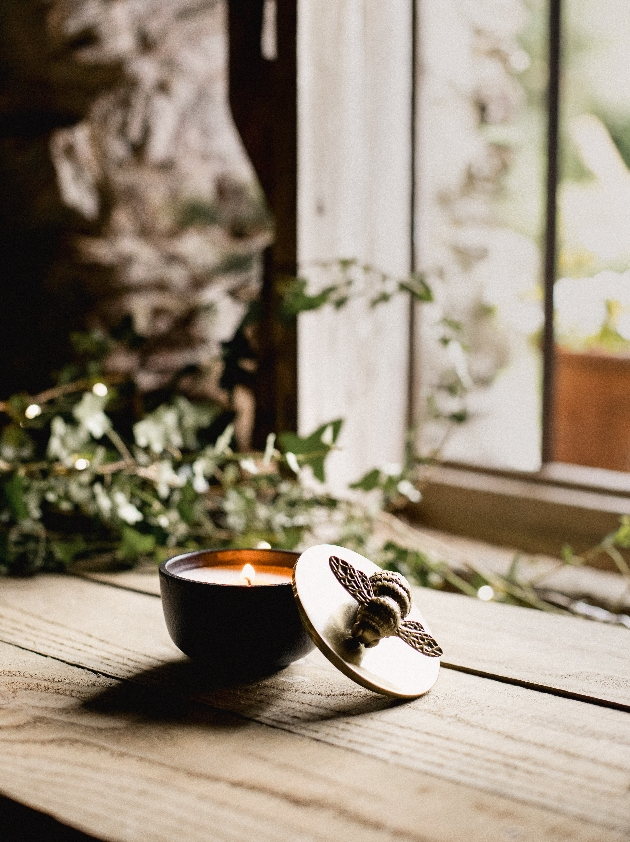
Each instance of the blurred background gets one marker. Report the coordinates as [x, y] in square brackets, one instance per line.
[167, 165]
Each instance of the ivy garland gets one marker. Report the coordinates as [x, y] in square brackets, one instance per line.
[86, 470]
[74, 484]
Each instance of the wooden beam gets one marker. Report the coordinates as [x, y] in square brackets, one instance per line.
[355, 86]
[535, 516]
[263, 99]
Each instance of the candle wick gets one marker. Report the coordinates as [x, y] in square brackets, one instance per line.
[247, 575]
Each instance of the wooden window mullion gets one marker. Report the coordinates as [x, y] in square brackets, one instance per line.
[550, 254]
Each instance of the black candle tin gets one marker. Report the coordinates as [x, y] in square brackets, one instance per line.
[234, 629]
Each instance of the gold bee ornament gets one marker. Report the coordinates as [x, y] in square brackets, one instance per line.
[384, 601]
[365, 621]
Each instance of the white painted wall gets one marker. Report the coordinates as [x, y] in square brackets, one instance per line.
[354, 163]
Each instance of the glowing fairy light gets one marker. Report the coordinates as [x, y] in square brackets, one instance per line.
[32, 411]
[485, 593]
[100, 390]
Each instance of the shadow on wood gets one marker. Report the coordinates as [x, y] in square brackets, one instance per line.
[21, 824]
[184, 691]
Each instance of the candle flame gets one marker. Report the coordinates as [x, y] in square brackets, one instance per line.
[248, 574]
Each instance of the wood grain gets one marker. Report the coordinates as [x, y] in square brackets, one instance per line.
[529, 746]
[504, 510]
[570, 655]
[125, 764]
[540, 749]
[567, 654]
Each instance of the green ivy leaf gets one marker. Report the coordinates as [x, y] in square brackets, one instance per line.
[313, 449]
[135, 544]
[18, 404]
[417, 286]
[381, 298]
[291, 537]
[369, 481]
[452, 324]
[14, 495]
[567, 554]
[297, 300]
[621, 537]
[186, 503]
[95, 344]
[16, 444]
[67, 551]
[346, 263]
[458, 417]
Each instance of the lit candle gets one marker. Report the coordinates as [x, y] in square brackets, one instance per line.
[232, 574]
[233, 610]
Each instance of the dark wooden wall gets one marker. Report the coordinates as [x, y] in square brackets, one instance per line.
[263, 99]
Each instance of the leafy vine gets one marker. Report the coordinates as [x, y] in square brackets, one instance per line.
[87, 470]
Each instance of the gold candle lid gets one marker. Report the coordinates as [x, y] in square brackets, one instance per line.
[363, 620]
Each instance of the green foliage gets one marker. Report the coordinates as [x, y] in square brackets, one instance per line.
[352, 281]
[417, 286]
[396, 483]
[75, 481]
[311, 450]
[85, 469]
[611, 546]
[298, 300]
[621, 536]
[74, 484]
[423, 570]
[82, 475]
[135, 544]
[83, 489]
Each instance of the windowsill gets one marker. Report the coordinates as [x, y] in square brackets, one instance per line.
[537, 512]
[560, 474]
[463, 554]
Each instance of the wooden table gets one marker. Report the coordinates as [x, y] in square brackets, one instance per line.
[110, 730]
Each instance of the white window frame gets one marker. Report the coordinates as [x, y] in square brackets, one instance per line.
[355, 199]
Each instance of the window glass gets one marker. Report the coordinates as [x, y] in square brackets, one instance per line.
[481, 175]
[592, 293]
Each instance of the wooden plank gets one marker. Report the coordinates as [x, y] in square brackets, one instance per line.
[354, 201]
[144, 580]
[540, 749]
[111, 630]
[124, 765]
[578, 657]
[459, 552]
[516, 644]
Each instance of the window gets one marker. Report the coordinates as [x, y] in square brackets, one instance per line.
[375, 136]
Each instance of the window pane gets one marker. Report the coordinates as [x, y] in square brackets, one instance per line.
[592, 295]
[480, 173]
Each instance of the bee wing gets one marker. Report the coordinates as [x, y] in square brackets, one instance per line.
[414, 633]
[354, 581]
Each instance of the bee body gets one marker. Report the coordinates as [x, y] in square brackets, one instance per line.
[379, 617]
[384, 601]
